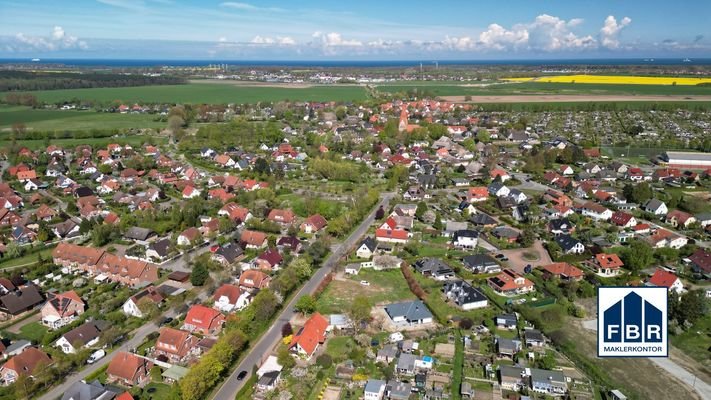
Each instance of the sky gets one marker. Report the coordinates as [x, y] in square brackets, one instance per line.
[354, 30]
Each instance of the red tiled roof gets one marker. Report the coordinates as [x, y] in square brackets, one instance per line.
[203, 317]
[605, 260]
[125, 365]
[232, 293]
[253, 238]
[621, 218]
[563, 269]
[26, 362]
[312, 334]
[391, 234]
[663, 278]
[256, 277]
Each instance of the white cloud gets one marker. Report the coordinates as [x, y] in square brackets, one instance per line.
[334, 39]
[279, 40]
[610, 31]
[248, 7]
[57, 40]
[222, 39]
[496, 37]
[545, 33]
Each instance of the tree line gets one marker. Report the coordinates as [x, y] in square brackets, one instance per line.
[15, 81]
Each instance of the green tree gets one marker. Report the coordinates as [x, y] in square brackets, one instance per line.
[421, 209]
[638, 255]
[156, 374]
[438, 222]
[306, 304]
[265, 304]
[285, 359]
[483, 135]
[692, 306]
[199, 275]
[359, 310]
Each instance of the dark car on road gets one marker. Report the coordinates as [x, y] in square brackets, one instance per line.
[241, 375]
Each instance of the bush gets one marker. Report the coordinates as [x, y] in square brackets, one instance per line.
[324, 361]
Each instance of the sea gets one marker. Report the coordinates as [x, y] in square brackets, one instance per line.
[138, 63]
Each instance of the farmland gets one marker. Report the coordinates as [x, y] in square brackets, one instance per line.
[56, 120]
[616, 80]
[198, 93]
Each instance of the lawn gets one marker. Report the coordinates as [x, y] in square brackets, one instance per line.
[199, 93]
[155, 391]
[57, 120]
[339, 347]
[30, 258]
[33, 331]
[696, 341]
[385, 287]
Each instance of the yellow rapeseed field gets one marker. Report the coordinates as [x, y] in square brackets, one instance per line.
[615, 79]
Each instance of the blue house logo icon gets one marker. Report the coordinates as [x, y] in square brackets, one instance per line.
[632, 322]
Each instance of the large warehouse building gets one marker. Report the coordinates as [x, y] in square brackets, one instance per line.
[687, 160]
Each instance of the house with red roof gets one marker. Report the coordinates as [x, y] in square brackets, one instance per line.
[477, 194]
[190, 192]
[175, 345]
[390, 232]
[204, 320]
[669, 280]
[635, 174]
[128, 369]
[221, 194]
[678, 218]
[623, 219]
[61, 309]
[701, 262]
[608, 265]
[25, 363]
[253, 279]
[269, 260]
[509, 283]
[230, 298]
[283, 217]
[566, 170]
[189, 236]
[235, 212]
[499, 173]
[253, 239]
[595, 211]
[564, 271]
[313, 334]
[313, 224]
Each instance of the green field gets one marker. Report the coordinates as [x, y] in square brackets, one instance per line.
[453, 89]
[56, 120]
[198, 93]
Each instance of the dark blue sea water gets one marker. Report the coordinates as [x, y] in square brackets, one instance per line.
[356, 63]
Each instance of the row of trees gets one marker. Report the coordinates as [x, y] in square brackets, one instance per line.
[13, 81]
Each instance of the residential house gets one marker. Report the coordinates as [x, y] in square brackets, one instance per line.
[85, 335]
[175, 345]
[656, 207]
[204, 320]
[290, 243]
[678, 219]
[270, 260]
[552, 383]
[234, 212]
[409, 312]
[509, 283]
[254, 280]
[701, 262]
[454, 226]
[465, 239]
[81, 390]
[512, 378]
[282, 217]
[189, 237]
[596, 211]
[481, 263]
[507, 347]
[498, 189]
[390, 232]
[158, 250]
[313, 224]
[563, 271]
[367, 248]
[128, 369]
[569, 245]
[310, 336]
[483, 220]
[61, 309]
[20, 300]
[253, 239]
[623, 219]
[560, 226]
[464, 295]
[435, 268]
[374, 389]
[25, 363]
[230, 298]
[137, 304]
[227, 254]
[608, 264]
[669, 280]
[477, 194]
[533, 338]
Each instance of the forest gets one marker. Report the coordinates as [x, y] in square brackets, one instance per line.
[13, 81]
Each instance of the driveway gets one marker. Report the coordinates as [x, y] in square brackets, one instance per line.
[517, 262]
[264, 346]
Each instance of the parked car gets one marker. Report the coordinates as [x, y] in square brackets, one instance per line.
[241, 375]
[96, 356]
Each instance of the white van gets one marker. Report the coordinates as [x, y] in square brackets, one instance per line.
[96, 356]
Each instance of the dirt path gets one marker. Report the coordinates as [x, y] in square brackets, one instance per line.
[674, 365]
[557, 98]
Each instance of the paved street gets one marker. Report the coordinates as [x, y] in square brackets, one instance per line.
[263, 347]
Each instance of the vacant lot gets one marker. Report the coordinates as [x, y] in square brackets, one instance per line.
[198, 93]
[56, 120]
[385, 287]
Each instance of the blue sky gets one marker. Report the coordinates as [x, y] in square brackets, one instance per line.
[263, 30]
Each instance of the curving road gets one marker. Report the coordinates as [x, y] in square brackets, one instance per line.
[263, 347]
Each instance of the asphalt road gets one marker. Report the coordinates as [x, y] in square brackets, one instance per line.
[139, 335]
[263, 347]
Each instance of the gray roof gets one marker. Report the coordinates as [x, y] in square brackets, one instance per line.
[374, 385]
[653, 204]
[566, 242]
[430, 265]
[21, 300]
[411, 310]
[17, 346]
[533, 334]
[686, 155]
[476, 261]
[456, 226]
[547, 376]
[463, 293]
[138, 233]
[88, 391]
[406, 361]
[509, 371]
[370, 243]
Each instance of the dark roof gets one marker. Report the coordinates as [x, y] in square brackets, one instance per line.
[83, 334]
[289, 241]
[482, 219]
[83, 191]
[369, 242]
[137, 233]
[90, 391]
[179, 276]
[161, 247]
[431, 265]
[560, 224]
[477, 261]
[566, 242]
[21, 300]
[230, 251]
[462, 292]
[465, 233]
